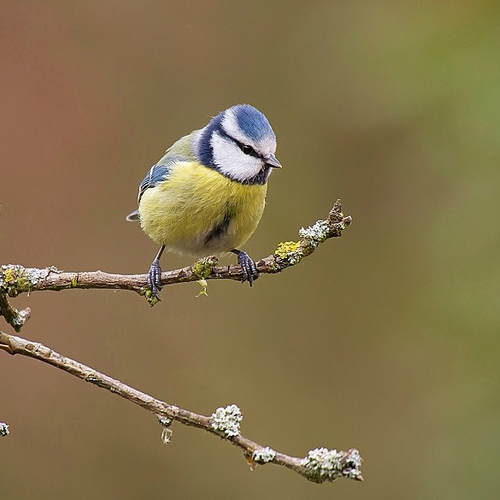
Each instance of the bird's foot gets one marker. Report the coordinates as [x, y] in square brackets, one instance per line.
[250, 272]
[154, 279]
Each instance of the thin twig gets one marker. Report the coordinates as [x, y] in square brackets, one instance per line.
[319, 465]
[16, 279]
[14, 317]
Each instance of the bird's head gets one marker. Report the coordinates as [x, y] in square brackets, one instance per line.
[240, 144]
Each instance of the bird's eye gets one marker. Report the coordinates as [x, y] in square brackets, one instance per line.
[246, 149]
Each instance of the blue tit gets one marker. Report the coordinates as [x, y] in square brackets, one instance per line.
[207, 193]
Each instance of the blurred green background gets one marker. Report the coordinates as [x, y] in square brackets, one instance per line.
[386, 340]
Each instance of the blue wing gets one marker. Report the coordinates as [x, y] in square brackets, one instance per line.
[180, 151]
[158, 173]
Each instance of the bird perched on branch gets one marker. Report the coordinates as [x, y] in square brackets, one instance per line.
[206, 195]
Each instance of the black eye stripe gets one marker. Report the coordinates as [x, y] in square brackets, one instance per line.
[248, 150]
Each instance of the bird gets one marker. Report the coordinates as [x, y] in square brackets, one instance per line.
[206, 195]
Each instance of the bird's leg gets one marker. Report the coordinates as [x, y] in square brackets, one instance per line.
[154, 274]
[250, 272]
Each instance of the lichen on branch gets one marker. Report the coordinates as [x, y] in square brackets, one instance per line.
[319, 465]
[16, 279]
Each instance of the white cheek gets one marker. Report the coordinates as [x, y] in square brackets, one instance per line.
[232, 161]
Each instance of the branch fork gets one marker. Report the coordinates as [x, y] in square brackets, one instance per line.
[319, 465]
[16, 279]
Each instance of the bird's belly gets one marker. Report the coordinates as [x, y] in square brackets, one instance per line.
[199, 211]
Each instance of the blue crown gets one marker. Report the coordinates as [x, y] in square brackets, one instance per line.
[252, 122]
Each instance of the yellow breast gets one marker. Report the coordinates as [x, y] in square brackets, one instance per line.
[199, 211]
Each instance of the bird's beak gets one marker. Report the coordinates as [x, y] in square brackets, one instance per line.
[272, 161]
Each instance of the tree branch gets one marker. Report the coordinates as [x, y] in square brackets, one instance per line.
[14, 317]
[16, 279]
[319, 465]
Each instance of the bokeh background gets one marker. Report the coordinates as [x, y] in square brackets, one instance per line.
[386, 340]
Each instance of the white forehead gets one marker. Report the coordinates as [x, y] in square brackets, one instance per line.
[265, 145]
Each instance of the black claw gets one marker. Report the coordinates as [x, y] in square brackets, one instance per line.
[250, 272]
[154, 278]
